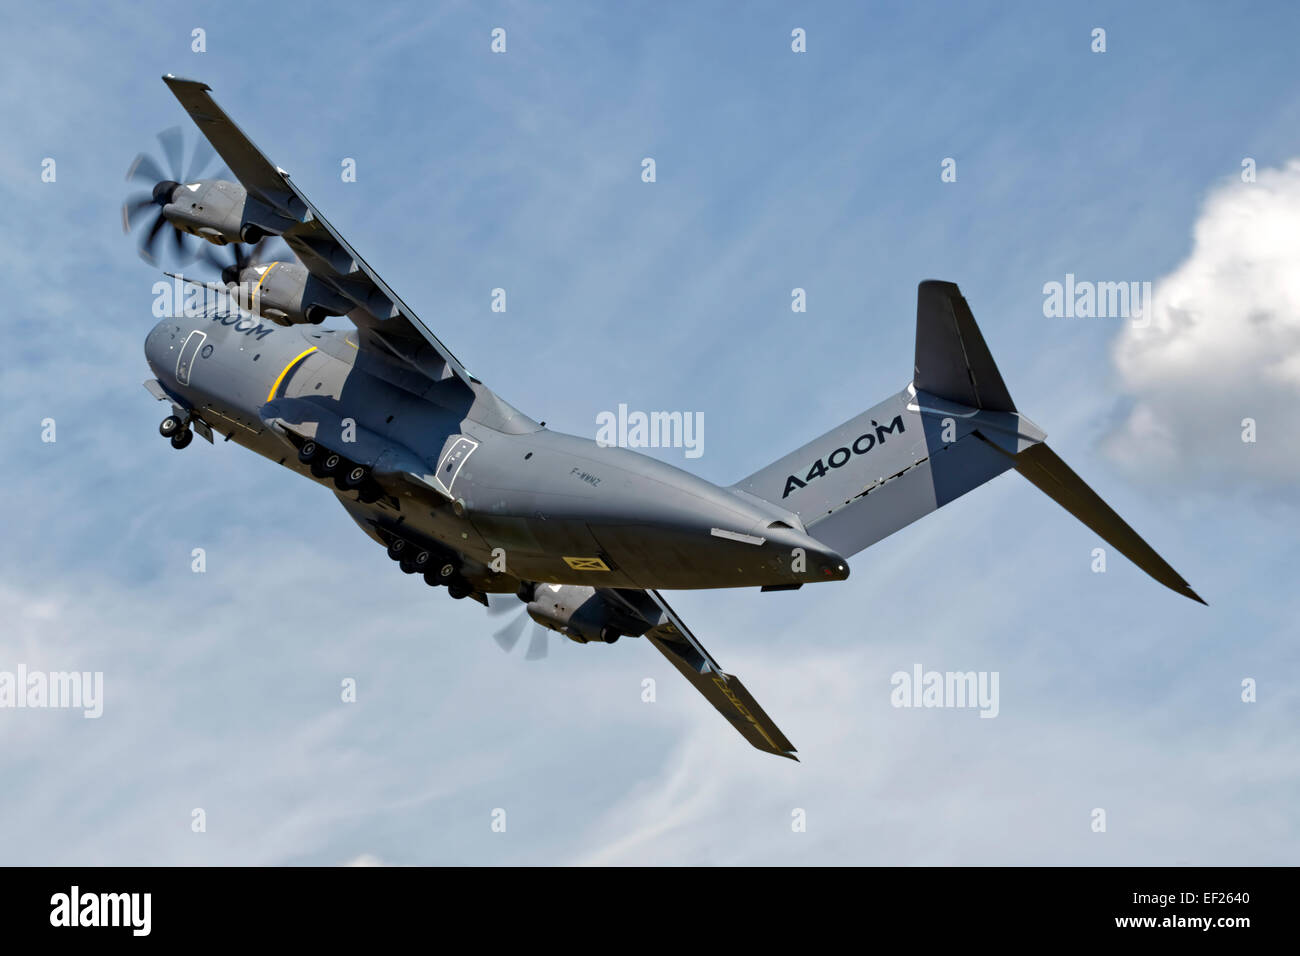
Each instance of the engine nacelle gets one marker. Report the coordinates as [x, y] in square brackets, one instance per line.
[221, 212]
[287, 294]
[580, 614]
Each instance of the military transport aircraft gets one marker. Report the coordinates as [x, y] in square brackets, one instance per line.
[475, 496]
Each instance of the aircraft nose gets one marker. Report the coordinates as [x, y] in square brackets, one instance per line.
[159, 344]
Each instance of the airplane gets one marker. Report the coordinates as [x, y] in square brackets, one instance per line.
[473, 495]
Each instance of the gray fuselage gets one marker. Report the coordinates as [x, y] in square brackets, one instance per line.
[516, 501]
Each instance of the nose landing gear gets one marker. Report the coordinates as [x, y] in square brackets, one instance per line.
[177, 429]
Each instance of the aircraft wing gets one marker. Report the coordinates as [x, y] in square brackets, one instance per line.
[384, 321]
[724, 691]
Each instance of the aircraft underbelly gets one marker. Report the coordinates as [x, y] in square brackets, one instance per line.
[658, 557]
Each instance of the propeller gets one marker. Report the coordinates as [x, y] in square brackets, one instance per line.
[508, 636]
[241, 257]
[166, 179]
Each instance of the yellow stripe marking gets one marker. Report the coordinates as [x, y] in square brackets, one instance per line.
[253, 299]
[270, 396]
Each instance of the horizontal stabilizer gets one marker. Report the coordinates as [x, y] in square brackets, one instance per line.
[1044, 468]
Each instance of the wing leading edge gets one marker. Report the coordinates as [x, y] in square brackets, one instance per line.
[724, 691]
[385, 321]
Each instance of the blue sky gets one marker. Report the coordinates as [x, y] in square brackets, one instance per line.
[775, 170]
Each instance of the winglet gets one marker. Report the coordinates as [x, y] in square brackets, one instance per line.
[172, 79]
[250, 166]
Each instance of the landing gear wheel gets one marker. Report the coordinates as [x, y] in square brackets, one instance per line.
[397, 549]
[308, 451]
[353, 477]
[407, 565]
[610, 634]
[331, 462]
[182, 438]
[445, 572]
[420, 559]
[170, 426]
[370, 492]
[458, 589]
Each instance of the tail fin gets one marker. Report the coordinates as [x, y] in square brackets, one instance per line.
[952, 361]
[954, 428]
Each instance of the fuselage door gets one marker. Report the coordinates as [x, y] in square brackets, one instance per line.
[452, 460]
[189, 352]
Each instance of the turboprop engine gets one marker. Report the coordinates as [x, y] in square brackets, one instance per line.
[581, 614]
[285, 292]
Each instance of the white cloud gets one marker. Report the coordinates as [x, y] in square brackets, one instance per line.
[1223, 345]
